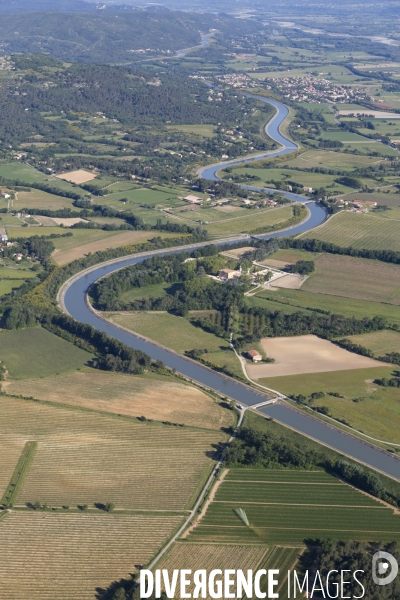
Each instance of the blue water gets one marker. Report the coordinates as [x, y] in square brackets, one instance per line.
[75, 305]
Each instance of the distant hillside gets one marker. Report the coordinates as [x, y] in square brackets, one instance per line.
[108, 36]
[18, 6]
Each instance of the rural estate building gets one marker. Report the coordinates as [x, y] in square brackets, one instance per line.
[307, 189]
[228, 274]
[254, 355]
[3, 237]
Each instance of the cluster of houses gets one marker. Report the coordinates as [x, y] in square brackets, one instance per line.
[358, 206]
[313, 89]
[257, 203]
[238, 80]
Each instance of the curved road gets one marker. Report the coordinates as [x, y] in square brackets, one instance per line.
[72, 298]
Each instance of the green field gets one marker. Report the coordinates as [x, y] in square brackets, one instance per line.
[22, 172]
[16, 273]
[355, 278]
[365, 406]
[157, 290]
[252, 222]
[291, 255]
[148, 196]
[35, 352]
[283, 559]
[203, 130]
[359, 231]
[284, 511]
[342, 136]
[304, 178]
[7, 285]
[180, 334]
[331, 160]
[379, 342]
[39, 199]
[288, 301]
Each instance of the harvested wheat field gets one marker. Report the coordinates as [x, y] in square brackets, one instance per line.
[84, 457]
[120, 239]
[74, 556]
[306, 354]
[79, 176]
[155, 397]
[211, 556]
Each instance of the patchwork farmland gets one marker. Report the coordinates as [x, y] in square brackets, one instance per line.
[285, 509]
[84, 457]
[73, 556]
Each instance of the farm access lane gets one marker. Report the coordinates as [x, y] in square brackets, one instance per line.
[198, 503]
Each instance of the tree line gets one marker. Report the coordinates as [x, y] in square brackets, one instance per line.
[254, 448]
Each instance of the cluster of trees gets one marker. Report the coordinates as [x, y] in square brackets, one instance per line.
[352, 347]
[349, 181]
[114, 34]
[130, 96]
[112, 354]
[260, 322]
[39, 247]
[392, 382]
[254, 448]
[356, 556]
[303, 267]
[390, 256]
[331, 144]
[194, 292]
[360, 478]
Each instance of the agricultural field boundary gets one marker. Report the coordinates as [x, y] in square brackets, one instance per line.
[197, 505]
[17, 478]
[293, 407]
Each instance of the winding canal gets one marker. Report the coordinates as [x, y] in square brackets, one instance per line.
[73, 301]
